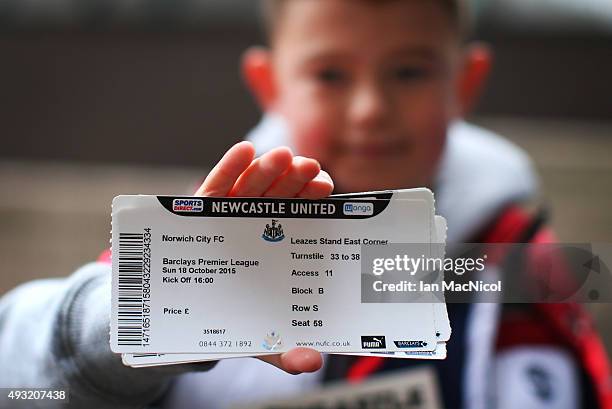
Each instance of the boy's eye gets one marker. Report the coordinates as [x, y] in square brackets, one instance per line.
[409, 73]
[330, 75]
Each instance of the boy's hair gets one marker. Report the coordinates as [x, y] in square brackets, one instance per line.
[457, 10]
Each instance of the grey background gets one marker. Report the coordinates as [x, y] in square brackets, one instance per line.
[159, 82]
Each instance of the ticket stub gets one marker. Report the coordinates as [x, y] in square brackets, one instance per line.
[149, 360]
[249, 276]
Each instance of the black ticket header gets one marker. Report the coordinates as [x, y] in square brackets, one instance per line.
[331, 208]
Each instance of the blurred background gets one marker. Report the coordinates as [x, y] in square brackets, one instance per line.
[107, 97]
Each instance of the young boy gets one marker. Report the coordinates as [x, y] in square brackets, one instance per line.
[372, 92]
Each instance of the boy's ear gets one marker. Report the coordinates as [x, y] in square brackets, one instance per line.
[477, 66]
[257, 72]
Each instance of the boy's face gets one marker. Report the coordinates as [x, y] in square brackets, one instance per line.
[367, 89]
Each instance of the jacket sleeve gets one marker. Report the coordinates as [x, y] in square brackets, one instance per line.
[55, 334]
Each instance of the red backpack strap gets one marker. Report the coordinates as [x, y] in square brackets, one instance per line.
[515, 225]
[363, 367]
[575, 325]
[568, 323]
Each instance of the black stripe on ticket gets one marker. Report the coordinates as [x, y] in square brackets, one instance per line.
[337, 208]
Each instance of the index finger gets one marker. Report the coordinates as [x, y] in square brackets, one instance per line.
[223, 176]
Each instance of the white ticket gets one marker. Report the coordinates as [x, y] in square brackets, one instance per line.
[251, 276]
[443, 330]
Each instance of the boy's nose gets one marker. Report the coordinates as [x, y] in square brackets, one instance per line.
[368, 107]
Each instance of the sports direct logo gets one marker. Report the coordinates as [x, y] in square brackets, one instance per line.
[358, 209]
[188, 205]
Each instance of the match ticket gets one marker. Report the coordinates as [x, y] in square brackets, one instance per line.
[253, 276]
[443, 332]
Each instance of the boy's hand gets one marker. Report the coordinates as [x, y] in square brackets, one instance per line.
[275, 174]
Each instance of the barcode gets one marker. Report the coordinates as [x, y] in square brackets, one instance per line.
[130, 300]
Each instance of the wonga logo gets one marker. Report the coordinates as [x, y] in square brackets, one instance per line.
[358, 209]
[188, 205]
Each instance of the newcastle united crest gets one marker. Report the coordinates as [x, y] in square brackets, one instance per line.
[273, 232]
